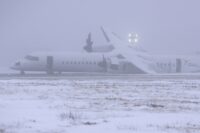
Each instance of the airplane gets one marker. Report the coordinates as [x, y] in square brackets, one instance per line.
[116, 57]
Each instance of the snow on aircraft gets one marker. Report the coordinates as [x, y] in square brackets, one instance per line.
[116, 57]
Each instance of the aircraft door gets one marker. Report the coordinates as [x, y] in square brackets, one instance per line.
[178, 65]
[49, 64]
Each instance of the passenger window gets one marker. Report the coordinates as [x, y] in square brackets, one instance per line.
[32, 58]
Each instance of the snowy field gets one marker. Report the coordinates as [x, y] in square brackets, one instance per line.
[100, 105]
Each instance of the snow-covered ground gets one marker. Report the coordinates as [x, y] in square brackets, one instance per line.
[99, 106]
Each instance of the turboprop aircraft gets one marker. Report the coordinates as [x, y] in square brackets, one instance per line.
[116, 57]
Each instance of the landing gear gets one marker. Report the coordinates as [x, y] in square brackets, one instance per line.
[22, 72]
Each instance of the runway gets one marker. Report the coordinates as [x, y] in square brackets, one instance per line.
[101, 76]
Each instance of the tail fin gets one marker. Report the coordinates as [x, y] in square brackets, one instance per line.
[89, 43]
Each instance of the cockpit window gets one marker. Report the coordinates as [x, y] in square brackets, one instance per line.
[32, 58]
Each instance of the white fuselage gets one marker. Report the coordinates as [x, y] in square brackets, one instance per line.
[60, 62]
[97, 62]
[175, 64]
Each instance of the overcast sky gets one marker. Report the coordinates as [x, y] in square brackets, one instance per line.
[164, 26]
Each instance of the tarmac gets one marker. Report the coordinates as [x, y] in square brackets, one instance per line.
[7, 76]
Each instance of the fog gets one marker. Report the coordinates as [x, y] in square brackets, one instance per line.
[165, 27]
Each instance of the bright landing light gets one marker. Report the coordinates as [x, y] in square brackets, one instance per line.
[133, 38]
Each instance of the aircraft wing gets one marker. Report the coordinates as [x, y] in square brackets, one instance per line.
[138, 59]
